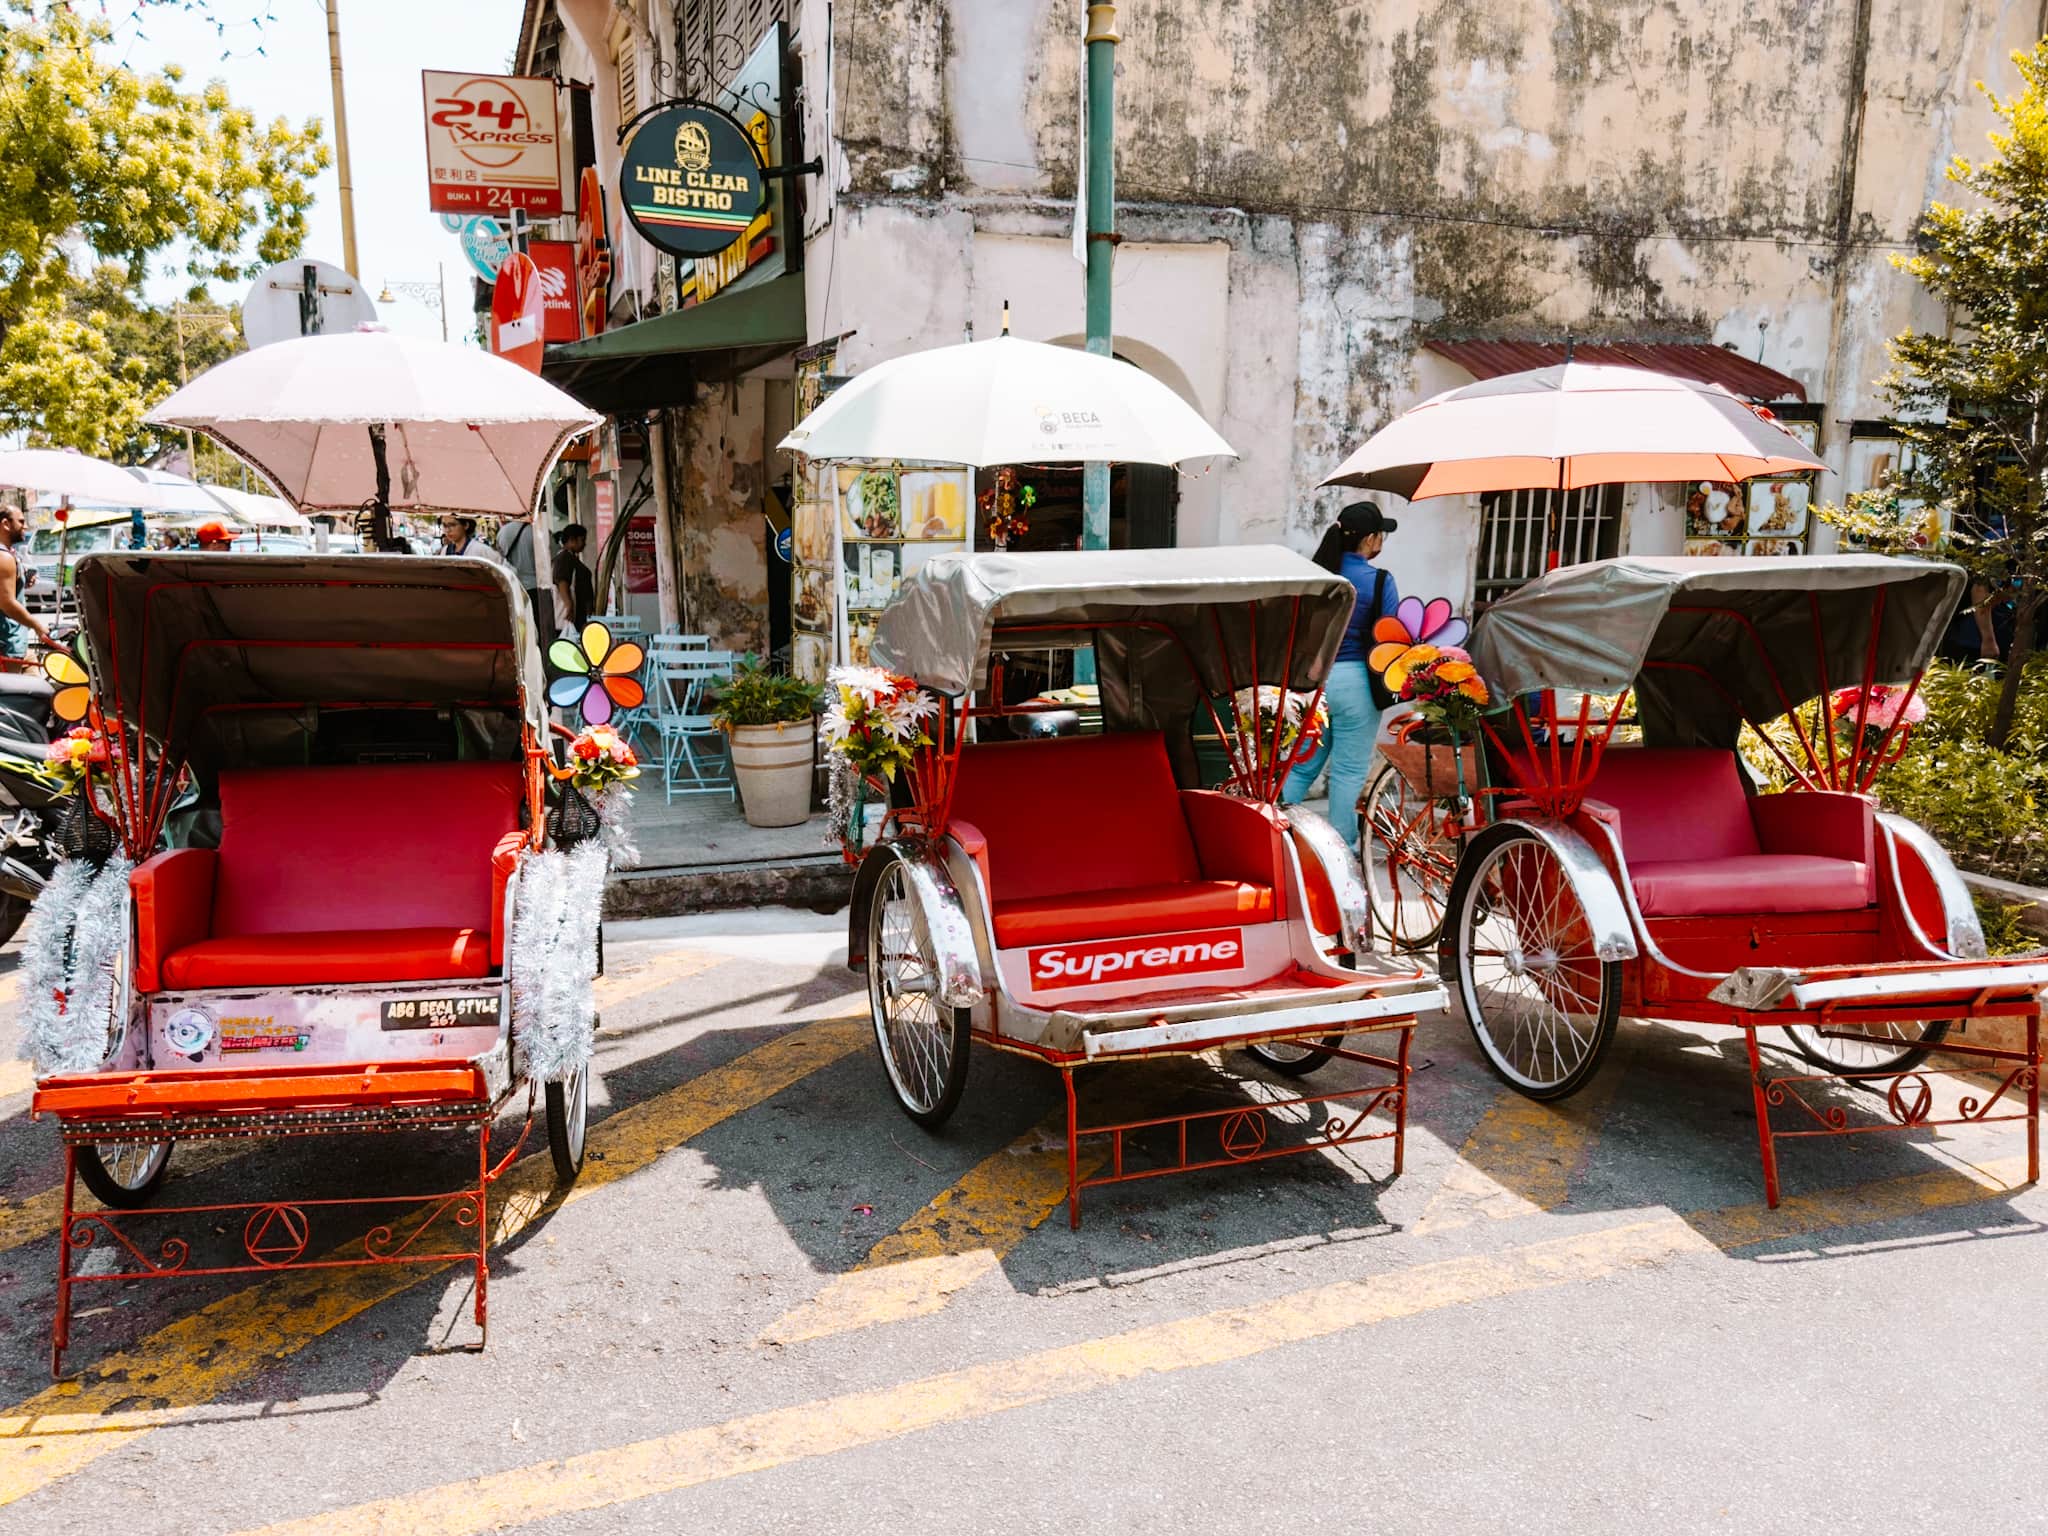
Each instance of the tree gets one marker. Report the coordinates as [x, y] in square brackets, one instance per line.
[101, 169]
[1973, 400]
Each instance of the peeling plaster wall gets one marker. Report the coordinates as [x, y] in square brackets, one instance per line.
[721, 446]
[1376, 174]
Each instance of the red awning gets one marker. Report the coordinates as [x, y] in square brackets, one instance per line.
[1686, 360]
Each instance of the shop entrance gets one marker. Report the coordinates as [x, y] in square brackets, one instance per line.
[1144, 500]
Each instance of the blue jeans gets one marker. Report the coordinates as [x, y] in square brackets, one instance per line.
[1346, 747]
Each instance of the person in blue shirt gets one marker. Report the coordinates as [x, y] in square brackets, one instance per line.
[1349, 548]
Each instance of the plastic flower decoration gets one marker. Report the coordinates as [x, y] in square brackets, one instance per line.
[600, 757]
[1300, 731]
[1447, 690]
[78, 752]
[74, 689]
[1889, 706]
[875, 719]
[1414, 633]
[594, 674]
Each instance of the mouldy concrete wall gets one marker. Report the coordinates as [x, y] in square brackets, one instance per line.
[719, 459]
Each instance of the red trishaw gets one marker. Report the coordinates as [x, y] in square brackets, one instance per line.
[1583, 863]
[1072, 899]
[326, 780]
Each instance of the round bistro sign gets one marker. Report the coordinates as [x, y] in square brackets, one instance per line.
[690, 180]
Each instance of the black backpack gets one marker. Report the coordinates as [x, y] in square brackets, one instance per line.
[1382, 699]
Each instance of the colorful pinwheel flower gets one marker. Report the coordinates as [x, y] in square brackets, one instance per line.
[74, 689]
[594, 674]
[1416, 632]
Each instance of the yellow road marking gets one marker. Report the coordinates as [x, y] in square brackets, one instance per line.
[36, 1216]
[1520, 1156]
[692, 1457]
[16, 1077]
[671, 966]
[963, 1234]
[71, 1424]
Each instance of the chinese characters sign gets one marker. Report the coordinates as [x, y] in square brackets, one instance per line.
[493, 143]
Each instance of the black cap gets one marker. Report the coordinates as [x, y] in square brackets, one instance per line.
[1363, 518]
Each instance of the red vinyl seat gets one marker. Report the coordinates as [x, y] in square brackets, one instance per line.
[1088, 837]
[372, 873]
[1698, 845]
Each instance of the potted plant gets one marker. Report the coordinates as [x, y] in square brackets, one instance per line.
[767, 717]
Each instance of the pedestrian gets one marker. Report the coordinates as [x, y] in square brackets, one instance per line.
[214, 537]
[16, 622]
[575, 589]
[1981, 632]
[1348, 549]
[516, 543]
[458, 537]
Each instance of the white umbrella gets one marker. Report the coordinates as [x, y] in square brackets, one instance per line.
[1006, 401]
[181, 494]
[370, 418]
[1568, 426]
[260, 511]
[77, 477]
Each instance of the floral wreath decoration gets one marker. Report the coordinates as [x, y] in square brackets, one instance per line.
[593, 674]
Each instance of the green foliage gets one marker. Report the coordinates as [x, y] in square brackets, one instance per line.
[126, 166]
[753, 695]
[2004, 932]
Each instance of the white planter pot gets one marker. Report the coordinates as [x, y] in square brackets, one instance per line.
[773, 766]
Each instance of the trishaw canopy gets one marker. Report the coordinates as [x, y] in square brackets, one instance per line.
[1708, 643]
[180, 639]
[1147, 602]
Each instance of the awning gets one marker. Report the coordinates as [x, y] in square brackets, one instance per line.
[656, 362]
[1687, 360]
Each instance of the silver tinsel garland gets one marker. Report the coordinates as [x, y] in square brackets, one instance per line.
[553, 959]
[614, 807]
[70, 946]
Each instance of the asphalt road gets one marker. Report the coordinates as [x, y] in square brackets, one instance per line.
[773, 1304]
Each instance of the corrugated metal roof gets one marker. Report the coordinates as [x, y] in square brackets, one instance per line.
[1687, 360]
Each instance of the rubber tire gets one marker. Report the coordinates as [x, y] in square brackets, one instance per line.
[1451, 962]
[566, 1144]
[1377, 922]
[1937, 1031]
[956, 1071]
[13, 911]
[107, 1191]
[1312, 1058]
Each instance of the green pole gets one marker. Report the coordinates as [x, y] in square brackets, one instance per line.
[1102, 40]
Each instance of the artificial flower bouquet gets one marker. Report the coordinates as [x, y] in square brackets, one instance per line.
[1301, 729]
[600, 757]
[875, 720]
[80, 752]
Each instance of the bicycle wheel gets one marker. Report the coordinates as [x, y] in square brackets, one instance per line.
[1408, 844]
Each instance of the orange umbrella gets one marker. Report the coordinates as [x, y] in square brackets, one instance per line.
[1572, 425]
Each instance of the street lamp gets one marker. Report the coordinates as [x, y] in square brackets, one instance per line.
[434, 295]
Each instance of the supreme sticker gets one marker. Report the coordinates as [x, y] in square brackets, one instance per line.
[1165, 956]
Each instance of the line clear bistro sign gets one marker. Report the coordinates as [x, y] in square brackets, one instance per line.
[493, 143]
[690, 180]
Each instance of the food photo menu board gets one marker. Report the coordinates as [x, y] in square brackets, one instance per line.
[1759, 517]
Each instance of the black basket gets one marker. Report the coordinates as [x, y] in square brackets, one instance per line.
[574, 820]
[80, 834]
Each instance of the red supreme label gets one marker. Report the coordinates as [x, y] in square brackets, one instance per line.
[1162, 955]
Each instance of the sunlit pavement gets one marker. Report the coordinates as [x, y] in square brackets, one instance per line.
[773, 1303]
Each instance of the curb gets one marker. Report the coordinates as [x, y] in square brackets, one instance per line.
[2030, 897]
[823, 883]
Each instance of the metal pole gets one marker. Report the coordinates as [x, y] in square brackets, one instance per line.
[348, 191]
[1102, 39]
[178, 325]
[441, 281]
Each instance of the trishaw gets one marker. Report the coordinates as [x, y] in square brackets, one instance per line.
[1581, 863]
[326, 778]
[1071, 899]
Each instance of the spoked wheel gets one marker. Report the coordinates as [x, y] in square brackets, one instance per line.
[1408, 844]
[124, 1174]
[1291, 1058]
[923, 1042]
[1541, 1002]
[568, 1121]
[1869, 1047]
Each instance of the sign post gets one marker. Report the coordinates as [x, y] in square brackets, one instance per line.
[493, 143]
[518, 313]
[690, 180]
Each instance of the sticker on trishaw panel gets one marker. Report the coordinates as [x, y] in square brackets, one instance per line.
[189, 1032]
[1163, 957]
[440, 1012]
[262, 1033]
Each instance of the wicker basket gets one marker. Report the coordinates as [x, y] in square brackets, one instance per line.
[573, 821]
[1432, 767]
[79, 834]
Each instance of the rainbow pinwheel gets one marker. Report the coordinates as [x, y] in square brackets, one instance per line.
[1414, 633]
[594, 674]
[74, 689]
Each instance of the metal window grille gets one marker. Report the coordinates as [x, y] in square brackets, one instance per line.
[715, 37]
[1514, 533]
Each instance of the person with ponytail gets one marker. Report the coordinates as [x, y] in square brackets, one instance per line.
[1348, 549]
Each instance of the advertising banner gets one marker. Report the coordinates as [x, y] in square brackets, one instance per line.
[690, 180]
[517, 313]
[493, 143]
[556, 260]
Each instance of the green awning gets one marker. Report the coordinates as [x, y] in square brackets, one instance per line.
[657, 362]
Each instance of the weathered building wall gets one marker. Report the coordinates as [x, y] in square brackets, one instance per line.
[1377, 174]
[720, 451]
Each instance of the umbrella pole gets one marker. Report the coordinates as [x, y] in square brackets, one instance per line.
[63, 552]
[380, 504]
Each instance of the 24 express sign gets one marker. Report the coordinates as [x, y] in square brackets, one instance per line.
[494, 143]
[690, 180]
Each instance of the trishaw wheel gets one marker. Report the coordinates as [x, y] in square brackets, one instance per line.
[568, 1119]
[1291, 1058]
[1541, 1002]
[1409, 846]
[124, 1174]
[1854, 1048]
[923, 1042]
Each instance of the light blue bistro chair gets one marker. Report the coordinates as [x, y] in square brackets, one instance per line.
[696, 759]
[634, 724]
